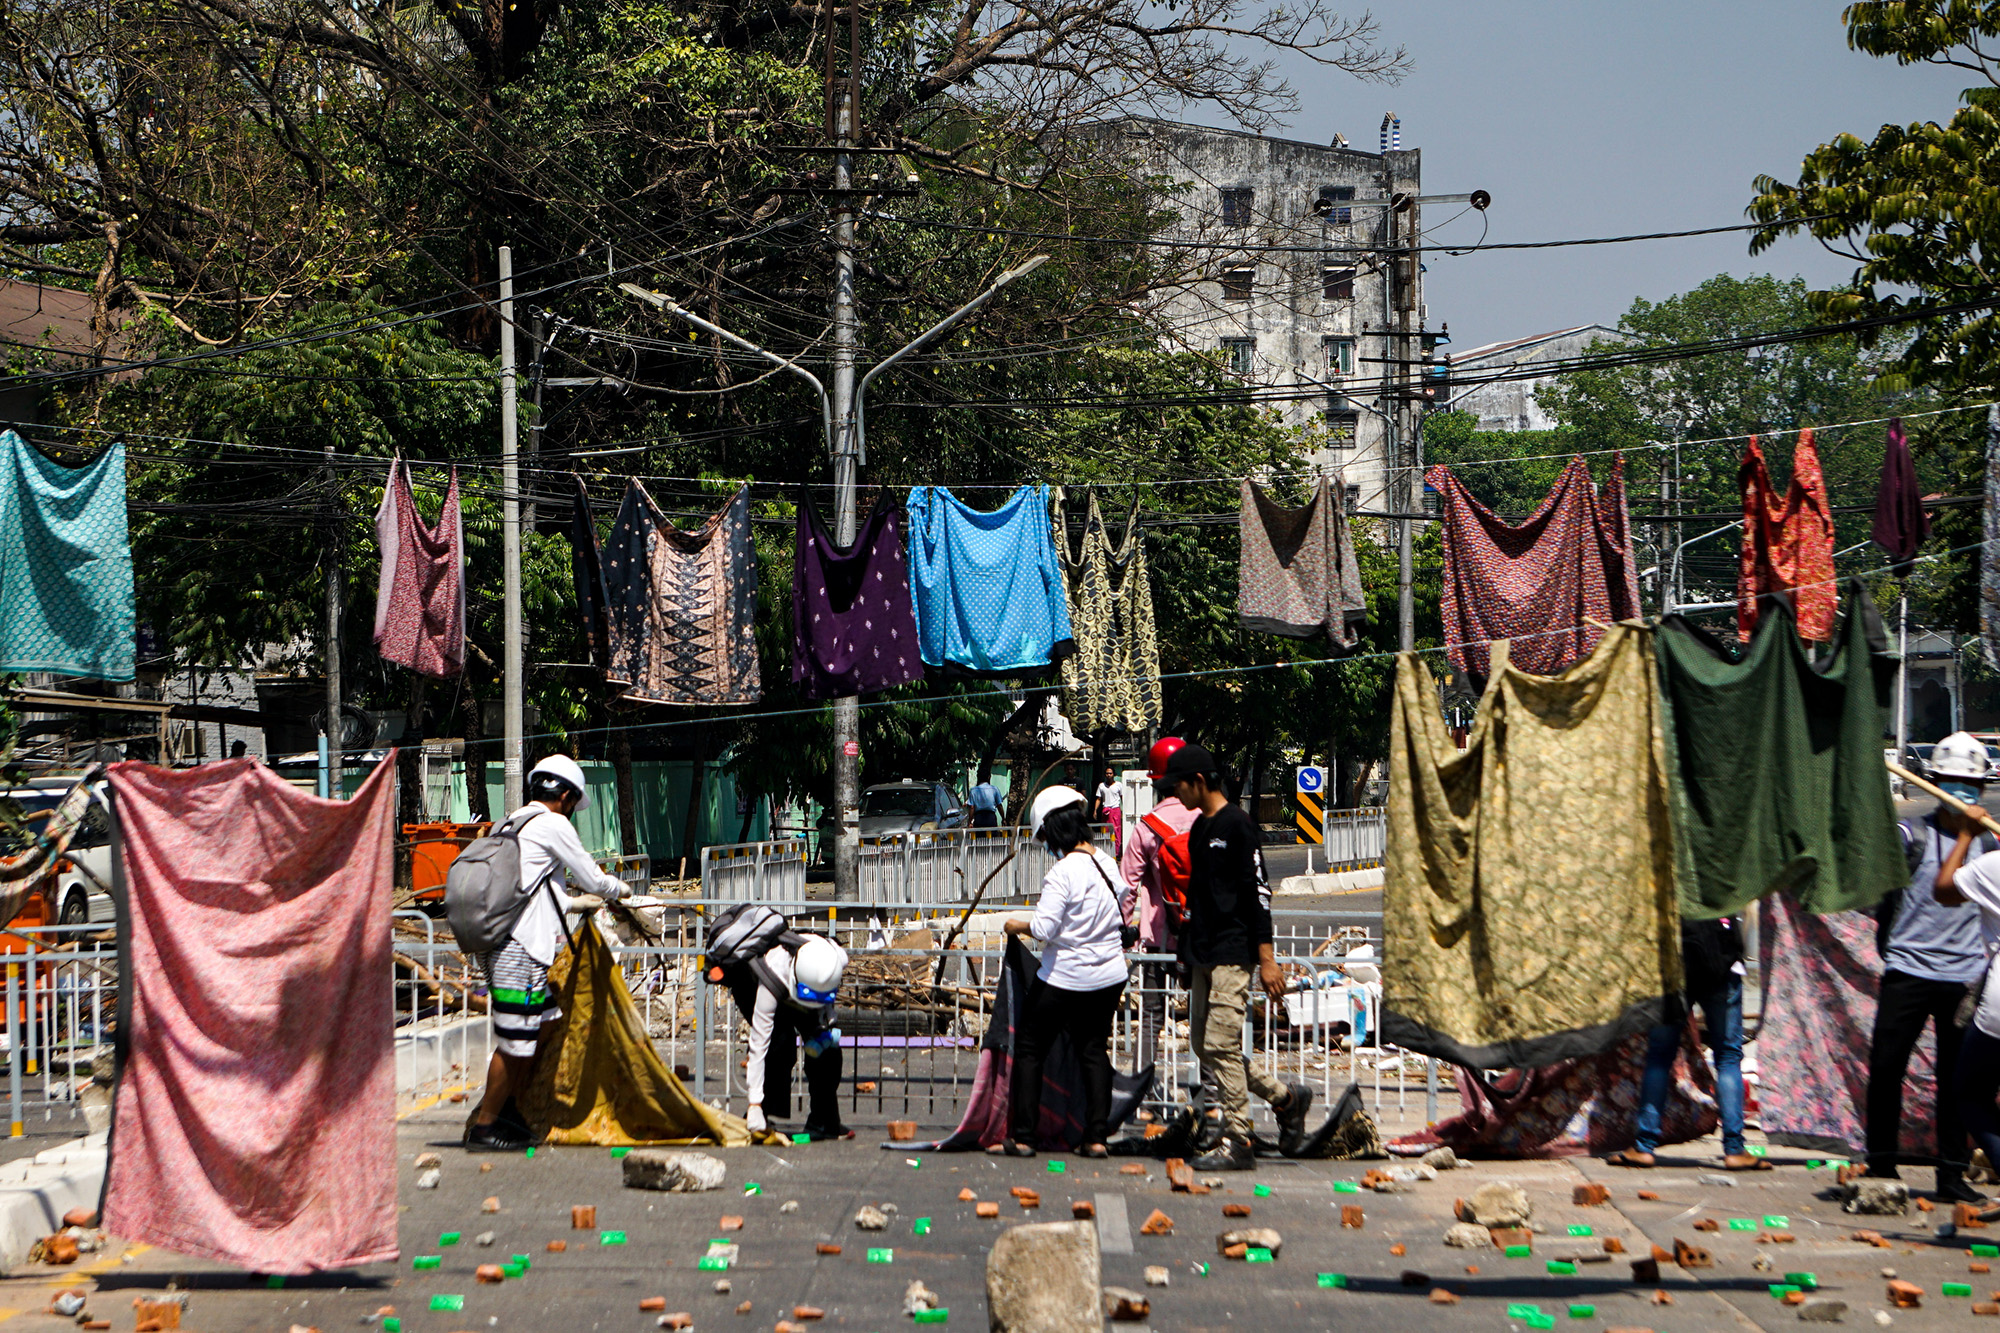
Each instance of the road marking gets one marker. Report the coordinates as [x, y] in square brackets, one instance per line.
[1114, 1225]
[429, 1102]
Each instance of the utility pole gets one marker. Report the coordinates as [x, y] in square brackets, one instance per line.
[536, 374]
[333, 759]
[510, 546]
[1400, 492]
[843, 111]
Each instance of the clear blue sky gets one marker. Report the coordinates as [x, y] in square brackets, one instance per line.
[1608, 117]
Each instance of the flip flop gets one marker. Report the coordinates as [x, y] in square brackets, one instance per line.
[1754, 1164]
[1630, 1158]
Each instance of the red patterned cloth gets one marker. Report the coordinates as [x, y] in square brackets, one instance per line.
[1538, 585]
[255, 1116]
[420, 598]
[1788, 544]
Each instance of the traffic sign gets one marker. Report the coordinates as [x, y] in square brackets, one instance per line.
[1311, 817]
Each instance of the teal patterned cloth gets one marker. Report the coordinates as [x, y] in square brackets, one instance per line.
[65, 564]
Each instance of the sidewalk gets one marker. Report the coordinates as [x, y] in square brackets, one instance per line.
[598, 1286]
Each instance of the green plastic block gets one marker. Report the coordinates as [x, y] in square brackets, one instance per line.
[1262, 1191]
[448, 1237]
[610, 1238]
[881, 1256]
[520, 1259]
[752, 1187]
[275, 1280]
[1742, 1224]
[531, 1152]
[513, 1269]
[932, 1316]
[1201, 1270]
[1057, 1168]
[1981, 1250]
[1803, 1281]
[620, 1152]
[1540, 1321]
[1256, 1254]
[1330, 1280]
[424, 1261]
[1780, 1290]
[1520, 1311]
[802, 1138]
[1578, 1229]
[709, 1263]
[1562, 1266]
[1814, 1164]
[1758, 1150]
[1346, 1187]
[1582, 1312]
[922, 1226]
[1956, 1289]
[391, 1324]
[1520, 1251]
[442, 1302]
[915, 1163]
[1778, 1220]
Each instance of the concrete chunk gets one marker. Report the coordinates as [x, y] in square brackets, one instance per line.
[673, 1172]
[1045, 1278]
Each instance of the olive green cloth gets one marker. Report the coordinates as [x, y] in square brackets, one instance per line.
[1528, 900]
[599, 1080]
[1778, 762]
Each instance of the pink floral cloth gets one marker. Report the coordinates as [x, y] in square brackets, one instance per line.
[1539, 585]
[1573, 1108]
[254, 1122]
[1821, 977]
[420, 598]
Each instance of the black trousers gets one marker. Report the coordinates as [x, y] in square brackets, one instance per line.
[822, 1070]
[1904, 1004]
[1085, 1017]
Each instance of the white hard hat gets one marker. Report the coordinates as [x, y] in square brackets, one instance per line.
[563, 767]
[819, 967]
[1050, 799]
[1960, 756]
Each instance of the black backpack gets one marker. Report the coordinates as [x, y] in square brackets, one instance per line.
[744, 933]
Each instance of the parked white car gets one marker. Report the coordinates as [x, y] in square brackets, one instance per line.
[83, 883]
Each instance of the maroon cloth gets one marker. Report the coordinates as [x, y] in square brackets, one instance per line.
[854, 629]
[255, 1117]
[1538, 585]
[420, 597]
[1900, 521]
[1574, 1108]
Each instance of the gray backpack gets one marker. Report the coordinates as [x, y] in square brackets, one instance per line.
[483, 893]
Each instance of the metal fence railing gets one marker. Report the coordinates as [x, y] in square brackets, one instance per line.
[1356, 839]
[897, 871]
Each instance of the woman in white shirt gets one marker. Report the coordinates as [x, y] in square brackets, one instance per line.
[1082, 977]
[1976, 881]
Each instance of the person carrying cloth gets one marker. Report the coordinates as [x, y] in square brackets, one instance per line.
[784, 983]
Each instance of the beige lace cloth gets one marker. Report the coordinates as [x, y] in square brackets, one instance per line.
[1528, 906]
[1113, 679]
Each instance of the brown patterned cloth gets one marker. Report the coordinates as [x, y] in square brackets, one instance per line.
[1297, 574]
[682, 605]
[1541, 584]
[1529, 903]
[1113, 679]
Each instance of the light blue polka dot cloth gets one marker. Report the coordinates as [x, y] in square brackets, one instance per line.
[989, 597]
[65, 564]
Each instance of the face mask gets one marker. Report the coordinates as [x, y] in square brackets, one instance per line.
[811, 996]
[1964, 791]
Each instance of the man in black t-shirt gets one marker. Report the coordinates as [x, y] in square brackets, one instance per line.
[1227, 938]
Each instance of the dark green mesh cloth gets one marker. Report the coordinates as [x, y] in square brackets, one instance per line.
[1777, 763]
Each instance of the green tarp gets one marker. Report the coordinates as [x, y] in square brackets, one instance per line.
[1778, 763]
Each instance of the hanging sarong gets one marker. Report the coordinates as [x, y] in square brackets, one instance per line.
[1297, 573]
[1900, 524]
[420, 596]
[1788, 543]
[989, 598]
[853, 628]
[1113, 680]
[65, 564]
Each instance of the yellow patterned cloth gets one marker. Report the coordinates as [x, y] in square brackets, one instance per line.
[600, 1080]
[1528, 906]
[1112, 680]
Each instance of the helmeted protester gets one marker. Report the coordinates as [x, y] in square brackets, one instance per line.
[1932, 954]
[552, 858]
[1077, 990]
[785, 984]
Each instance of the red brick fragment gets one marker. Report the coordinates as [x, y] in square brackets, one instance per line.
[1590, 1196]
[653, 1304]
[1351, 1216]
[1082, 1209]
[1236, 1210]
[1692, 1256]
[1613, 1245]
[1905, 1295]
[1439, 1296]
[1157, 1224]
[1645, 1272]
[1650, 1196]
[583, 1217]
[490, 1273]
[558, 1246]
[986, 1210]
[1399, 1249]
[825, 1247]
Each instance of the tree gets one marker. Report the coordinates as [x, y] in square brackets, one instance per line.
[1916, 208]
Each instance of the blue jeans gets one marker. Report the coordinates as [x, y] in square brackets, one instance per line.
[1722, 1021]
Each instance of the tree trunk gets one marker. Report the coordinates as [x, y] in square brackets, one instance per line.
[478, 804]
[1254, 785]
[410, 794]
[1031, 704]
[621, 770]
[697, 780]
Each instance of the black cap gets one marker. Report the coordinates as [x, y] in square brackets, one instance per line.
[1189, 761]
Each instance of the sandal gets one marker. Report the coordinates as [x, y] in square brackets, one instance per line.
[1745, 1162]
[1632, 1157]
[1095, 1151]
[1010, 1148]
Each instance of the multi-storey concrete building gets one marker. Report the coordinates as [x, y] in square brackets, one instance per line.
[1510, 404]
[1288, 269]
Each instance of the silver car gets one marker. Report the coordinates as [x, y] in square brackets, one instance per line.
[909, 807]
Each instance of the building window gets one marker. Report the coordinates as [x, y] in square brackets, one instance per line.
[1241, 353]
[1350, 497]
[1339, 357]
[1236, 282]
[1342, 420]
[1339, 283]
[1236, 207]
[1331, 199]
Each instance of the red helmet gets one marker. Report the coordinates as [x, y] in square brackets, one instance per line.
[1163, 750]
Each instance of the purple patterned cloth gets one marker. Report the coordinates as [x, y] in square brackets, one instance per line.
[1573, 1108]
[1821, 974]
[854, 629]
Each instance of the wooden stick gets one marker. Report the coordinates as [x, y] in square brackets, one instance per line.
[1992, 825]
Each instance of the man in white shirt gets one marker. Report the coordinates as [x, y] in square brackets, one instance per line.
[517, 973]
[787, 994]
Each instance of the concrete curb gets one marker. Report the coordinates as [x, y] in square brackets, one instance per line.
[36, 1192]
[1339, 881]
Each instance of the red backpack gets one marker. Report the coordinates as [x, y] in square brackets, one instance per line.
[1176, 870]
